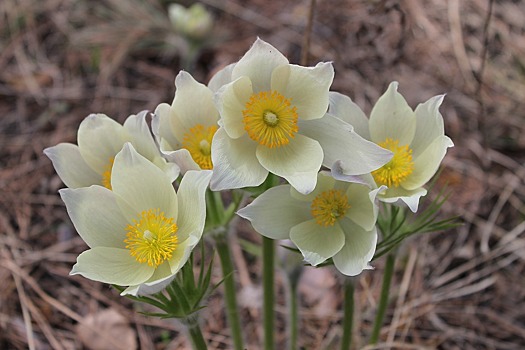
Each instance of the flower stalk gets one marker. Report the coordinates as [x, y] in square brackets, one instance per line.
[268, 250]
[383, 300]
[348, 314]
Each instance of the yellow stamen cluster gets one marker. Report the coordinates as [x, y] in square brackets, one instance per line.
[106, 175]
[151, 239]
[198, 142]
[400, 166]
[329, 206]
[270, 119]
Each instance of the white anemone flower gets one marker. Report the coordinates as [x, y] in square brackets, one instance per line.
[416, 138]
[337, 220]
[273, 119]
[142, 232]
[99, 139]
[185, 129]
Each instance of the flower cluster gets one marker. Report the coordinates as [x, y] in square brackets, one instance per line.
[258, 116]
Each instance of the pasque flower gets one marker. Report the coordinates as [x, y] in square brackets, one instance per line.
[185, 129]
[273, 119]
[100, 138]
[142, 232]
[416, 138]
[337, 220]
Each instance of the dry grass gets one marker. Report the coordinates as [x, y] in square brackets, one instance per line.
[61, 60]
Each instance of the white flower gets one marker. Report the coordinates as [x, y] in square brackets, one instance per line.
[141, 233]
[100, 138]
[337, 220]
[194, 22]
[273, 119]
[184, 129]
[417, 139]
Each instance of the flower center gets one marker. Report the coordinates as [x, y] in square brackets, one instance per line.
[106, 175]
[198, 142]
[329, 206]
[151, 239]
[270, 119]
[400, 166]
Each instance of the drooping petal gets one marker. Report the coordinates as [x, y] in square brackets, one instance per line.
[325, 182]
[427, 163]
[363, 210]
[429, 125]
[192, 205]
[71, 167]
[96, 215]
[298, 162]
[183, 159]
[307, 87]
[193, 102]
[356, 155]
[317, 243]
[142, 184]
[99, 139]
[359, 249]
[392, 118]
[342, 107]
[275, 212]
[258, 64]
[234, 162]
[221, 78]
[113, 266]
[409, 197]
[231, 101]
[157, 282]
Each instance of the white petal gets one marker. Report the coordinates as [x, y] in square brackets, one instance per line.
[234, 162]
[258, 64]
[409, 197]
[157, 282]
[298, 162]
[193, 102]
[141, 137]
[342, 107]
[100, 138]
[96, 215]
[392, 118]
[141, 184]
[359, 249]
[427, 163]
[337, 173]
[231, 101]
[183, 159]
[182, 253]
[192, 206]
[71, 167]
[325, 182]
[429, 125]
[161, 127]
[317, 243]
[111, 265]
[356, 155]
[307, 87]
[221, 78]
[275, 212]
[363, 210]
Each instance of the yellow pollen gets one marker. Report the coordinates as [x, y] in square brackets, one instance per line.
[329, 206]
[106, 175]
[198, 142]
[400, 166]
[270, 119]
[151, 239]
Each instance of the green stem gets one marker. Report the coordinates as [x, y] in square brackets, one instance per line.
[348, 316]
[197, 340]
[229, 291]
[293, 317]
[268, 251]
[383, 301]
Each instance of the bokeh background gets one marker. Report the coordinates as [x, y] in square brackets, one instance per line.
[61, 60]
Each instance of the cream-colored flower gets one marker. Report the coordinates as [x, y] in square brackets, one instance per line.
[273, 119]
[337, 220]
[416, 138]
[141, 233]
[194, 22]
[100, 138]
[185, 129]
